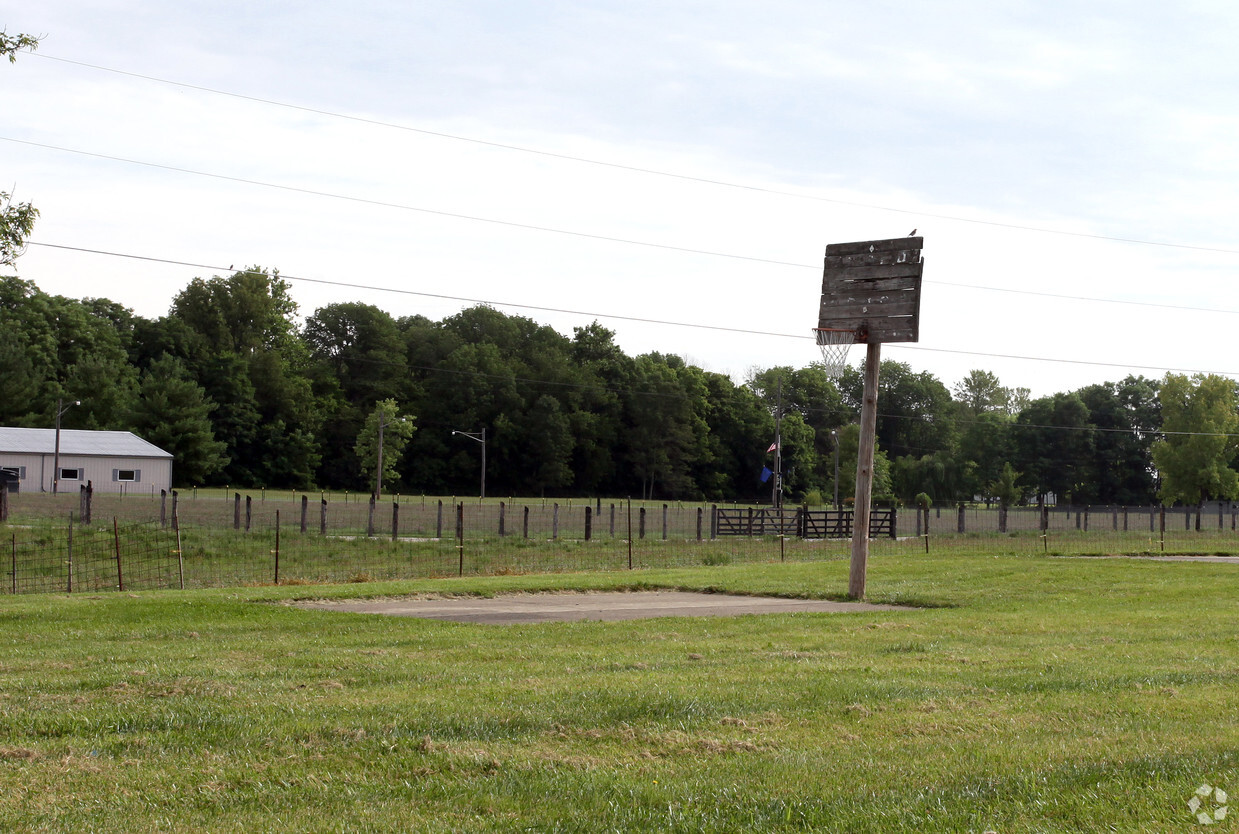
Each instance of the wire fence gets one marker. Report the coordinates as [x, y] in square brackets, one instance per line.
[166, 542]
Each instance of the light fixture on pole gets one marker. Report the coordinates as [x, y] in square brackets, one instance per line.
[834, 435]
[480, 437]
[378, 474]
[60, 409]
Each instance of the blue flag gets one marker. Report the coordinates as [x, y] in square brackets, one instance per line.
[765, 474]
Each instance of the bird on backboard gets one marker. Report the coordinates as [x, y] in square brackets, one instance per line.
[912, 233]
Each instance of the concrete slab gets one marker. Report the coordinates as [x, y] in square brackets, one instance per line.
[512, 609]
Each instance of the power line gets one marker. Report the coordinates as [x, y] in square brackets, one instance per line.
[617, 317]
[570, 232]
[404, 207]
[642, 170]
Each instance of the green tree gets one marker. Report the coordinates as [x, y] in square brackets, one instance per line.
[849, 444]
[980, 392]
[16, 221]
[174, 413]
[395, 430]
[1054, 446]
[916, 415]
[1200, 421]
[242, 346]
[1126, 415]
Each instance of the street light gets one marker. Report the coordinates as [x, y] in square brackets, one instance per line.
[480, 437]
[378, 475]
[60, 409]
[834, 435]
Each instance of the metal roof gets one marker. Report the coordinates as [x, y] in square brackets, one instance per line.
[78, 442]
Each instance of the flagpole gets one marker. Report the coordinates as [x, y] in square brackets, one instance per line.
[776, 490]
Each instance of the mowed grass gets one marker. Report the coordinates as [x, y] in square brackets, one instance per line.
[1027, 694]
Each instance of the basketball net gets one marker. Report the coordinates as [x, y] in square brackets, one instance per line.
[834, 345]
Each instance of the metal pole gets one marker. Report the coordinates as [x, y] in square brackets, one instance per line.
[56, 456]
[482, 493]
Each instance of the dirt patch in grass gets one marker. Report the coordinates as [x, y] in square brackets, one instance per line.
[512, 609]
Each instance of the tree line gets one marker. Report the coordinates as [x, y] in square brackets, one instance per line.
[242, 393]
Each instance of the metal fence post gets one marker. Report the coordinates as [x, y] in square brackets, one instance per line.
[120, 579]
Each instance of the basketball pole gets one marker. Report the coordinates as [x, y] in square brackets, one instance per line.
[864, 473]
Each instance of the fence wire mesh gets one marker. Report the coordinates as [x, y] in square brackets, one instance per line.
[140, 542]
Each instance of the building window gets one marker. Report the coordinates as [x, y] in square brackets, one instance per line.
[130, 475]
[70, 474]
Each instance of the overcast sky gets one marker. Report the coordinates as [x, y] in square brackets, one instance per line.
[1070, 165]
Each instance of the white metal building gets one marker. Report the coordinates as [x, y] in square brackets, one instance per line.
[110, 461]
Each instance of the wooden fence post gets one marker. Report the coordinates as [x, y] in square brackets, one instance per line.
[439, 521]
[236, 511]
[503, 511]
[163, 508]
[370, 517]
[612, 521]
[641, 526]
[700, 513]
[395, 521]
[4, 503]
[960, 524]
[664, 522]
[322, 518]
[305, 509]
[525, 524]
[555, 523]
[589, 522]
[249, 515]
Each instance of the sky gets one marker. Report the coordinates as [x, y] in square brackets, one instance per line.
[672, 170]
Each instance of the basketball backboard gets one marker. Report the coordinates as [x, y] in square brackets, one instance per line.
[873, 289]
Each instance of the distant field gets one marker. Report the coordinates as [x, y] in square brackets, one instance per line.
[1028, 693]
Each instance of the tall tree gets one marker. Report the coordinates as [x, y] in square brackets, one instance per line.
[1126, 415]
[1200, 421]
[386, 432]
[246, 352]
[173, 412]
[916, 415]
[1054, 446]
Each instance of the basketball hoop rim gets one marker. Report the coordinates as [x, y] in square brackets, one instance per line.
[819, 332]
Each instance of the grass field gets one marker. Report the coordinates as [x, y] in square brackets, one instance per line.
[1029, 693]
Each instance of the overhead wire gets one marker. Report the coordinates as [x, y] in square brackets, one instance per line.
[619, 317]
[579, 234]
[640, 169]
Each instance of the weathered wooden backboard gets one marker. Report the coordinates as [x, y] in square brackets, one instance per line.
[873, 288]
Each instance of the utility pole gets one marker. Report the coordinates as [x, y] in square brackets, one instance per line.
[60, 409]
